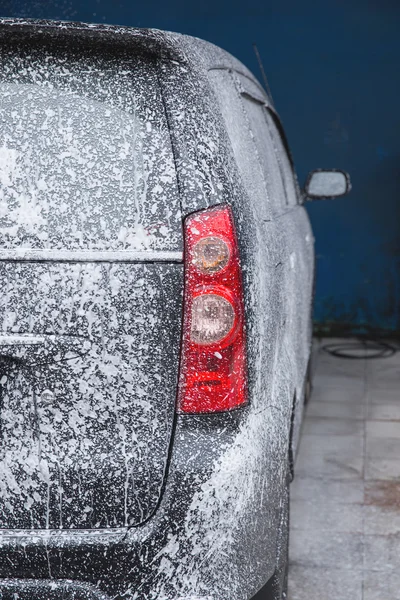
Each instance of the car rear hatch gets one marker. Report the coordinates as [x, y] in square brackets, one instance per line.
[91, 278]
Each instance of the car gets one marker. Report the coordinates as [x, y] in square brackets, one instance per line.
[157, 268]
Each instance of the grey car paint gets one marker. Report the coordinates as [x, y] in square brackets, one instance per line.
[106, 492]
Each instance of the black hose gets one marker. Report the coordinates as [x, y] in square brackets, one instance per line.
[360, 349]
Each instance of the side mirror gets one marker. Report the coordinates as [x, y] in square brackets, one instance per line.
[323, 183]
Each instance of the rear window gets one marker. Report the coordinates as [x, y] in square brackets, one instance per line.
[86, 161]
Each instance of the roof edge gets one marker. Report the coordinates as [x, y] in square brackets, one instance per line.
[153, 41]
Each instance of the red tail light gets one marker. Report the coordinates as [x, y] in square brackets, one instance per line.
[213, 361]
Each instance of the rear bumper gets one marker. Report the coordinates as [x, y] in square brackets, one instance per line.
[47, 589]
[213, 535]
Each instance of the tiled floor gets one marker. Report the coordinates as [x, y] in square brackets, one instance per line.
[345, 503]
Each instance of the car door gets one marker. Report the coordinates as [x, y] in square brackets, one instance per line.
[300, 240]
[291, 226]
[275, 229]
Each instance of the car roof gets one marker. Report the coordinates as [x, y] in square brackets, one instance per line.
[164, 44]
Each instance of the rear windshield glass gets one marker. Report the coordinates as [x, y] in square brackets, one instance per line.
[85, 154]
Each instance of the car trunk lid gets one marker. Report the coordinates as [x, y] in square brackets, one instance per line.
[90, 313]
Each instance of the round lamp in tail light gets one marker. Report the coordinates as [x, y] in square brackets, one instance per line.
[210, 255]
[212, 319]
[213, 376]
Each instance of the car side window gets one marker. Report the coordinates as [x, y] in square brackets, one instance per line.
[242, 140]
[265, 152]
[285, 164]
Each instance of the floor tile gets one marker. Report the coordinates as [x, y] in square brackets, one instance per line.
[385, 384]
[321, 393]
[310, 488]
[327, 515]
[383, 396]
[324, 584]
[383, 429]
[381, 521]
[382, 448]
[385, 376]
[382, 468]
[326, 549]
[383, 494]
[338, 445]
[381, 585]
[385, 411]
[330, 457]
[333, 367]
[382, 552]
[339, 382]
[341, 410]
[330, 426]
[330, 468]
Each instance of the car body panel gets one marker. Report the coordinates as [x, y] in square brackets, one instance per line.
[216, 530]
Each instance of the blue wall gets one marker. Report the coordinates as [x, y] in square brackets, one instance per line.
[333, 67]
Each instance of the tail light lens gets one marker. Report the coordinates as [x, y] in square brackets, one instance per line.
[213, 360]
